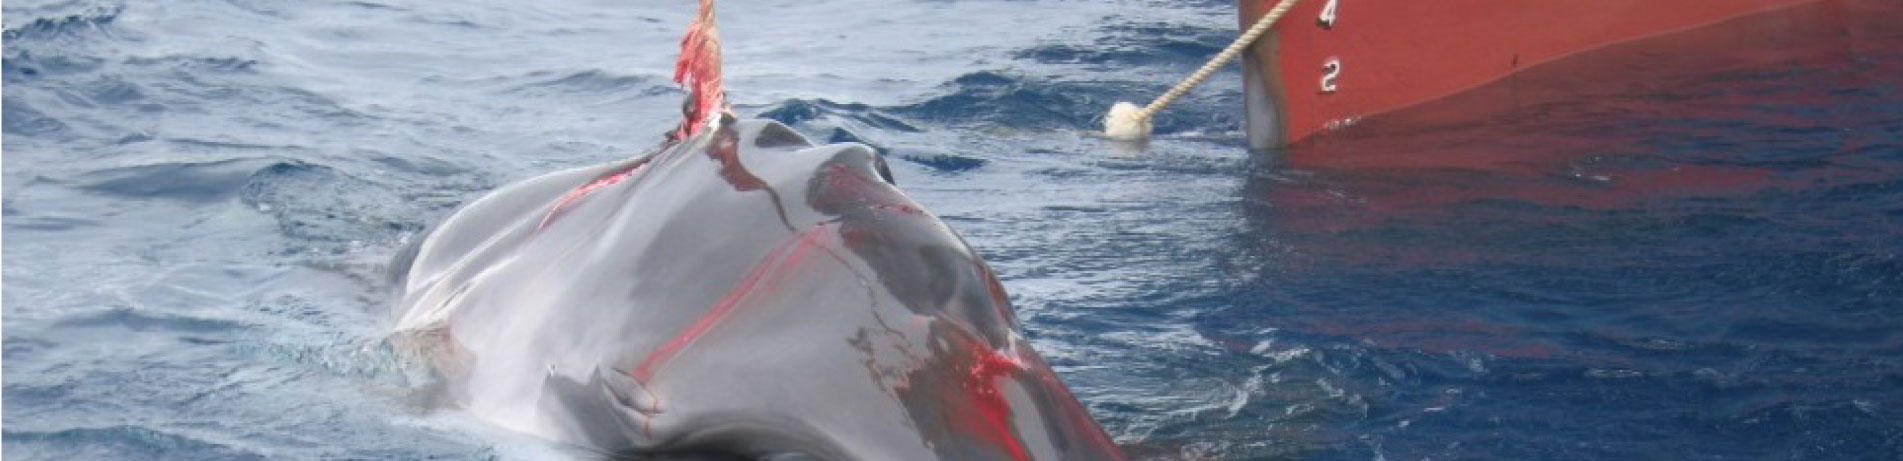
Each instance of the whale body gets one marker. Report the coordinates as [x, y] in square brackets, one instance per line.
[739, 293]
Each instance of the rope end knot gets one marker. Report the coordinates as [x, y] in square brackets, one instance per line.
[1126, 122]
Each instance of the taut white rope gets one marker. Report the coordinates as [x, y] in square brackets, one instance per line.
[1127, 122]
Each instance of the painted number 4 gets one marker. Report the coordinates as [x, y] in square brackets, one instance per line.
[1327, 18]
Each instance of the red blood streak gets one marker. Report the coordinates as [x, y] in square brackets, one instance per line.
[770, 270]
[900, 208]
[579, 192]
[994, 413]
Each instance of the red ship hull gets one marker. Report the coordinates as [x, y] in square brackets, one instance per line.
[1316, 72]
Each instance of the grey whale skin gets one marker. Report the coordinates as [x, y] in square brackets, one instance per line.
[741, 293]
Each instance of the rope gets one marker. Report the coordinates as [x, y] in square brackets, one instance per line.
[1235, 48]
[1261, 25]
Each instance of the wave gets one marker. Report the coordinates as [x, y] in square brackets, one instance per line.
[189, 181]
[1125, 45]
[835, 122]
[588, 83]
[22, 119]
[797, 111]
[1033, 103]
[91, 20]
[121, 442]
[140, 320]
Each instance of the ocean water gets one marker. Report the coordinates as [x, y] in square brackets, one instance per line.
[1634, 254]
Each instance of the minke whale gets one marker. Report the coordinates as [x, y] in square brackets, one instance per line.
[739, 292]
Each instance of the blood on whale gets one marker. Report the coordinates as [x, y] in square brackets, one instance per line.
[981, 383]
[771, 268]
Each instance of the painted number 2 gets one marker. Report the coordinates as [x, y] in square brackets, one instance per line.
[1331, 70]
[1327, 18]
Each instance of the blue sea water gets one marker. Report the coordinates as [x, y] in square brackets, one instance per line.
[200, 196]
